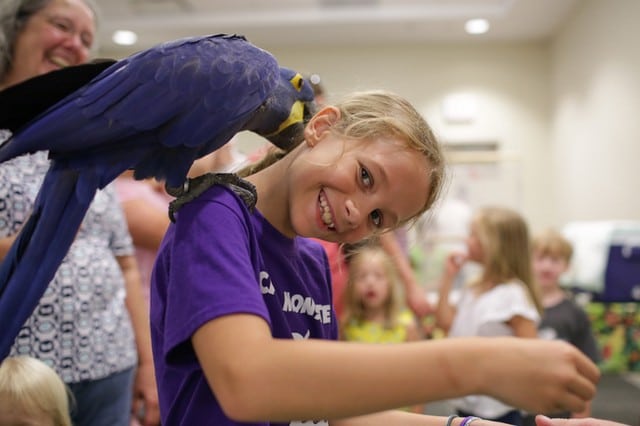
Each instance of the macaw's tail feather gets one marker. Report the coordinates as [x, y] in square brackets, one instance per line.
[39, 249]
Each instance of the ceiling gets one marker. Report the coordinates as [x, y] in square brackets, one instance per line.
[342, 22]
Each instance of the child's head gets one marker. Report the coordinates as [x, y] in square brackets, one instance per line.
[372, 284]
[380, 114]
[31, 393]
[367, 165]
[499, 240]
[551, 256]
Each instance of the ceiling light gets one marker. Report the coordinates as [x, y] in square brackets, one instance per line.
[476, 26]
[124, 37]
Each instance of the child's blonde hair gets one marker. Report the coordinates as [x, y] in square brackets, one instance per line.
[551, 243]
[353, 307]
[504, 236]
[31, 386]
[378, 113]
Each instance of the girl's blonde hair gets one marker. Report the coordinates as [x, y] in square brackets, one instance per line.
[31, 386]
[379, 114]
[504, 236]
[353, 307]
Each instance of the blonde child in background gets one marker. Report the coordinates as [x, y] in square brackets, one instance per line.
[373, 313]
[562, 318]
[32, 393]
[502, 301]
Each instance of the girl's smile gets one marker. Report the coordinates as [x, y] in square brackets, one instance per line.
[325, 212]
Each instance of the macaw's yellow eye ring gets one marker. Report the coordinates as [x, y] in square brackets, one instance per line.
[297, 81]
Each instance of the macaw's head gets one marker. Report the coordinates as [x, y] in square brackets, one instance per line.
[282, 117]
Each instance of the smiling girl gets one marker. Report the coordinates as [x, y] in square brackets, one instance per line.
[241, 316]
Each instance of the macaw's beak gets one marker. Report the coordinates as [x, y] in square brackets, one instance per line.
[291, 132]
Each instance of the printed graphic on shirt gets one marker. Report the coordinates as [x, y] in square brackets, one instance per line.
[297, 303]
[547, 333]
[298, 336]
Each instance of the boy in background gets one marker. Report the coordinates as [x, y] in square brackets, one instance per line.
[562, 318]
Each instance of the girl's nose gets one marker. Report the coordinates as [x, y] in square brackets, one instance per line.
[352, 214]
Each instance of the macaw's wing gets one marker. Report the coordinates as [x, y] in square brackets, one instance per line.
[22, 102]
[156, 111]
[39, 249]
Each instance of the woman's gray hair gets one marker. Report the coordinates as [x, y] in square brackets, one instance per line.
[13, 17]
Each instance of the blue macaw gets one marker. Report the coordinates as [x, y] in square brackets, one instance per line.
[154, 112]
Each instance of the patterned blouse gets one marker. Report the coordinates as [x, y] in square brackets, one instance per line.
[81, 326]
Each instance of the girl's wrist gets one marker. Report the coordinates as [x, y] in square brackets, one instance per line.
[463, 421]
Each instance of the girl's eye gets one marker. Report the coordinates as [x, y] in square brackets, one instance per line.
[366, 178]
[376, 218]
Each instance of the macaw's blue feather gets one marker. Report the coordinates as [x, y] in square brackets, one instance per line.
[40, 247]
[155, 112]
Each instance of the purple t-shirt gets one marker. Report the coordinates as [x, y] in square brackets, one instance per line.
[220, 259]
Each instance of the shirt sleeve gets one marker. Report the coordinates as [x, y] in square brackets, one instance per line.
[121, 242]
[507, 301]
[210, 272]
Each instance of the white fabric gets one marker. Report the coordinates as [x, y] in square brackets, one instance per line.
[486, 314]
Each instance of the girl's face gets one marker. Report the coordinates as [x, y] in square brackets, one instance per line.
[371, 284]
[59, 35]
[474, 245]
[547, 269]
[345, 190]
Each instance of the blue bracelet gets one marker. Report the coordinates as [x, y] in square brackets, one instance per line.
[450, 419]
[467, 420]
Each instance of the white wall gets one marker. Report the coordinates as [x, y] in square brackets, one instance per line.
[596, 113]
[511, 84]
[567, 114]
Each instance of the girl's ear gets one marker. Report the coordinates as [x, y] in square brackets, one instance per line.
[320, 124]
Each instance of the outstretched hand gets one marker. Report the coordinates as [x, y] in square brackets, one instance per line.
[540, 376]
[546, 421]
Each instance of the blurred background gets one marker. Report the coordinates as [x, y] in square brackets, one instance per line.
[536, 101]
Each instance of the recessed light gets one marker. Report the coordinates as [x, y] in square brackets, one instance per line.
[476, 26]
[124, 37]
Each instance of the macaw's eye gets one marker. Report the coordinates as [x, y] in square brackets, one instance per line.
[297, 81]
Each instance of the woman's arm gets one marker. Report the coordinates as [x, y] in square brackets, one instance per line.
[5, 245]
[256, 377]
[147, 224]
[145, 390]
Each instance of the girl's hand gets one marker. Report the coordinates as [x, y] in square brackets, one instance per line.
[539, 376]
[546, 421]
[454, 263]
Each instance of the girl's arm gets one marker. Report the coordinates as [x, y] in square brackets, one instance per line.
[445, 311]
[545, 421]
[523, 327]
[258, 378]
[414, 294]
[395, 417]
